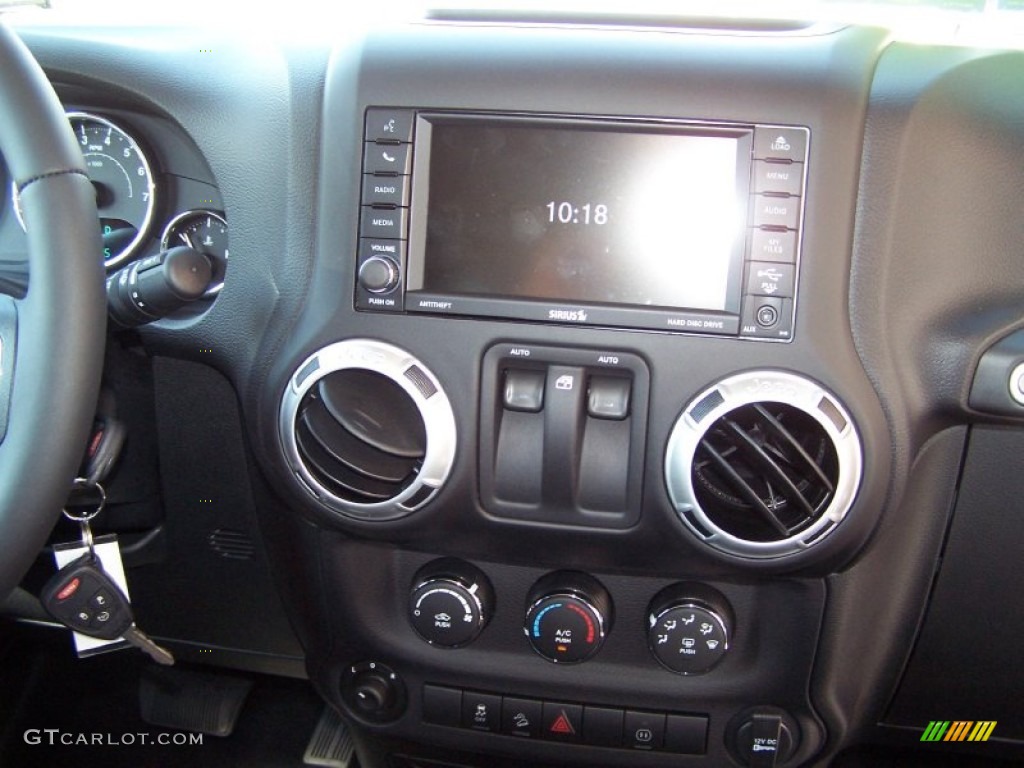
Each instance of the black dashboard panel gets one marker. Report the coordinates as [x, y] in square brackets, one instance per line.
[665, 76]
[552, 461]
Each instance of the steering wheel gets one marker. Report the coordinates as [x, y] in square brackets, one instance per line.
[52, 338]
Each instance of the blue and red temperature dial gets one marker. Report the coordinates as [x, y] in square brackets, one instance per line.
[567, 617]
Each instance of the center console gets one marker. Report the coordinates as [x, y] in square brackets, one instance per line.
[570, 506]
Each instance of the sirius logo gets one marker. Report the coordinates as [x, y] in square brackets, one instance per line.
[568, 315]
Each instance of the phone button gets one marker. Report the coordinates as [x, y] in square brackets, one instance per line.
[387, 158]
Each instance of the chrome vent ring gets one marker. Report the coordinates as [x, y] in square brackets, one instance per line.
[367, 430]
[763, 464]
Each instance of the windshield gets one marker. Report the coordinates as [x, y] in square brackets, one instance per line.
[972, 22]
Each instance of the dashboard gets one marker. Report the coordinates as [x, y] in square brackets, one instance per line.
[573, 394]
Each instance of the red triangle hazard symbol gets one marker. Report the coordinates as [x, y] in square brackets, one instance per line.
[562, 725]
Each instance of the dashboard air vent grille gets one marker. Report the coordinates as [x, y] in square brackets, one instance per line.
[765, 471]
[360, 435]
[763, 464]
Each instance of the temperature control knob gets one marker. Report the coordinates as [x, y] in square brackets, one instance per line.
[688, 628]
[567, 617]
[451, 603]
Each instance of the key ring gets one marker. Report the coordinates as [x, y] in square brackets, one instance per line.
[85, 517]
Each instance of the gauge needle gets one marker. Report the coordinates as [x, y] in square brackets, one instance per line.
[185, 239]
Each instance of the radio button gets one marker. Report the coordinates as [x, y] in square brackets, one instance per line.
[767, 278]
[379, 274]
[775, 211]
[780, 143]
[389, 124]
[386, 190]
[388, 223]
[387, 158]
[769, 245]
[787, 178]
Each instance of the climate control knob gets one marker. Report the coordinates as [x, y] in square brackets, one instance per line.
[451, 603]
[689, 627]
[567, 617]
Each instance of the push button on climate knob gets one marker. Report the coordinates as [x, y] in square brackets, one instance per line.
[451, 602]
[688, 628]
[567, 617]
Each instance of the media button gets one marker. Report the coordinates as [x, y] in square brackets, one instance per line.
[386, 223]
[769, 245]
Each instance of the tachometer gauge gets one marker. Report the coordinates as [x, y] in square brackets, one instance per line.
[203, 231]
[123, 180]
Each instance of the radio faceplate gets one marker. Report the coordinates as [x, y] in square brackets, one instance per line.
[662, 225]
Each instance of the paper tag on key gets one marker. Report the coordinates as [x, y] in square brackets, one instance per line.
[109, 554]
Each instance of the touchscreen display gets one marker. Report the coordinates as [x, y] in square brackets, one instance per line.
[585, 213]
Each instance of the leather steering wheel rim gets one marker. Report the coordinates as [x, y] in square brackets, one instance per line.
[52, 354]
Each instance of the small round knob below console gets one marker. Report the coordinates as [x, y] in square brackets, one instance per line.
[568, 615]
[373, 691]
[689, 628]
[451, 603]
[379, 274]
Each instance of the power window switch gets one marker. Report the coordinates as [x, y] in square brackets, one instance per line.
[608, 397]
[524, 390]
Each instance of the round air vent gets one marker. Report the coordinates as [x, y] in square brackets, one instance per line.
[763, 464]
[367, 429]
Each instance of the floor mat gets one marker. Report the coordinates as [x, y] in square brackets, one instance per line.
[58, 710]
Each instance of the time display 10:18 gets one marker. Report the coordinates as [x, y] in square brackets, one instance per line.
[567, 213]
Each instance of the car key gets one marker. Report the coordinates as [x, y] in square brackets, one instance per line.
[82, 597]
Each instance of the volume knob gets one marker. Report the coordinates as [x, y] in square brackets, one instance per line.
[379, 274]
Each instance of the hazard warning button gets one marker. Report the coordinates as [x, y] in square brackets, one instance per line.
[562, 722]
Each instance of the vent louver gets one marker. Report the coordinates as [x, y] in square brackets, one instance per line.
[367, 430]
[765, 471]
[769, 470]
[361, 436]
[231, 544]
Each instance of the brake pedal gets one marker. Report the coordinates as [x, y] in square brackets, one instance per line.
[187, 700]
[331, 745]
